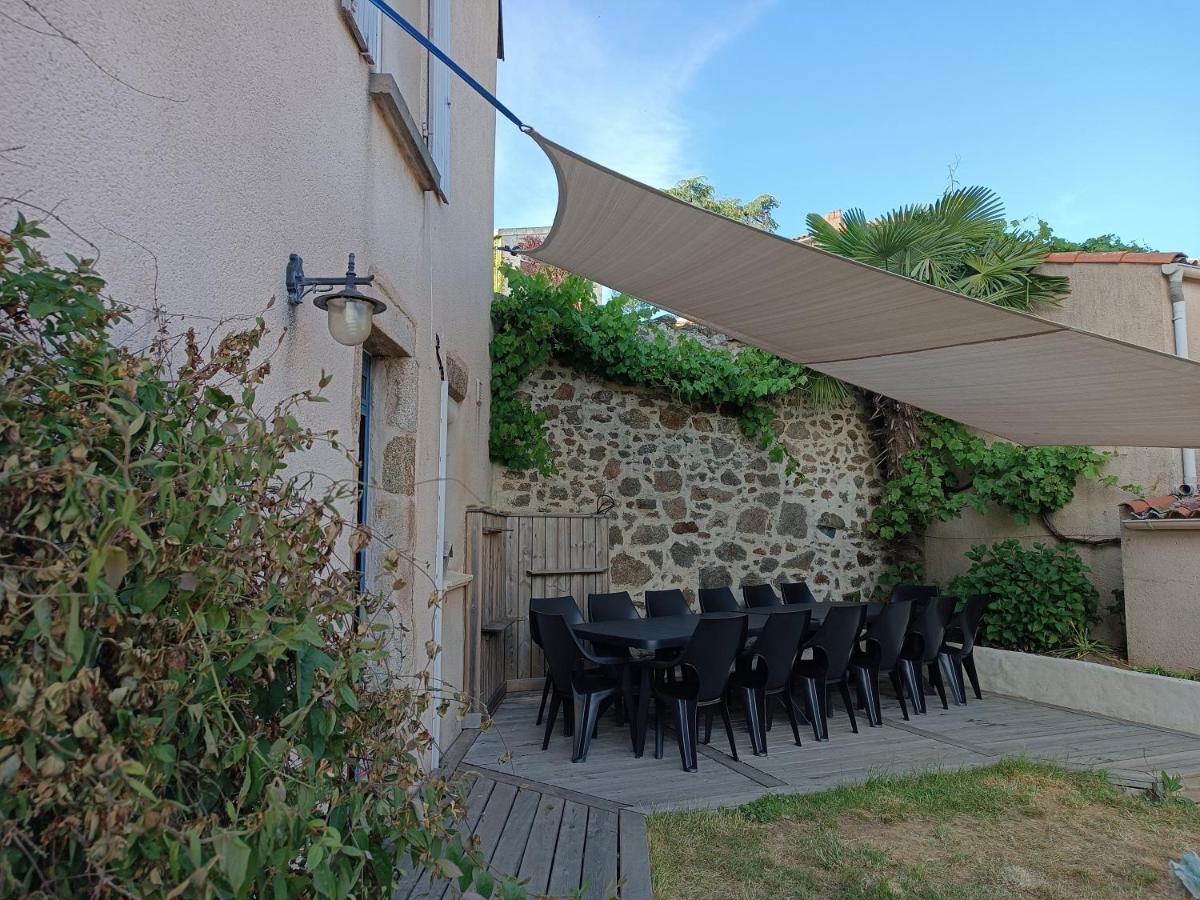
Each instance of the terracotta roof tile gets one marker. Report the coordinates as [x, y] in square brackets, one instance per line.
[1127, 256]
[1169, 507]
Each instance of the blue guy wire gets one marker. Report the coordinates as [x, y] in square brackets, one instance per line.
[454, 67]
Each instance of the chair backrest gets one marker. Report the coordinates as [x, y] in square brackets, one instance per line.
[563, 606]
[561, 647]
[838, 636]
[711, 651]
[796, 592]
[610, 607]
[930, 625]
[968, 619]
[945, 606]
[670, 602]
[778, 644]
[718, 599]
[888, 631]
[760, 595]
[920, 594]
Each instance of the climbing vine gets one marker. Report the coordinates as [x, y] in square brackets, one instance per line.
[951, 469]
[543, 319]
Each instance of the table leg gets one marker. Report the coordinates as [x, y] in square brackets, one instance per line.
[643, 712]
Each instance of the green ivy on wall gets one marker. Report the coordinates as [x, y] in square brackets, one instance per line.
[952, 469]
[543, 319]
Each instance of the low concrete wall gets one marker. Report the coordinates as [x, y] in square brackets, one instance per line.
[1091, 687]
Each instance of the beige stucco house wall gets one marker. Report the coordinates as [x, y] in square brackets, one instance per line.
[1162, 591]
[1126, 300]
[201, 143]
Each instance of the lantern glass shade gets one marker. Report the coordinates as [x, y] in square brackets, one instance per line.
[350, 319]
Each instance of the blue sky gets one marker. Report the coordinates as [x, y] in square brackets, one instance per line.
[1082, 113]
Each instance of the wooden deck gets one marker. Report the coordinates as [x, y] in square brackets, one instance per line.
[564, 826]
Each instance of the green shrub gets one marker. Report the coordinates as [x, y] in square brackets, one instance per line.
[1043, 596]
[192, 704]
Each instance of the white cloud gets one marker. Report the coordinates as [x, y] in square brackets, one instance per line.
[606, 85]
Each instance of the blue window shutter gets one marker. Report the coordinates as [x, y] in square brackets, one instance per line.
[366, 22]
[439, 92]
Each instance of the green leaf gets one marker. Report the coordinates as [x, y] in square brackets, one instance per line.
[233, 853]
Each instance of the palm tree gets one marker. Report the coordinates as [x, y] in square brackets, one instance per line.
[959, 242]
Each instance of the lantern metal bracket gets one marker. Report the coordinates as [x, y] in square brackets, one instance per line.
[299, 285]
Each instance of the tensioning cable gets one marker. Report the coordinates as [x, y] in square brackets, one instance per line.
[454, 67]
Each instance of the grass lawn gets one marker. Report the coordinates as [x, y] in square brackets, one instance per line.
[1016, 829]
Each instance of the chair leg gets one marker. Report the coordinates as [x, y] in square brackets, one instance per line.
[690, 712]
[949, 675]
[968, 662]
[848, 701]
[812, 703]
[914, 676]
[754, 721]
[898, 687]
[708, 720]
[728, 729]
[865, 679]
[683, 733]
[587, 714]
[545, 694]
[554, 704]
[790, 705]
[935, 678]
[659, 728]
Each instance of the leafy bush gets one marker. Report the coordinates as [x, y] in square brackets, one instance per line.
[545, 316]
[195, 701]
[1043, 594]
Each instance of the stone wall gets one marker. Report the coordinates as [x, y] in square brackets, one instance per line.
[697, 504]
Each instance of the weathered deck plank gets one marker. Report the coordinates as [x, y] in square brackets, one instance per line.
[599, 878]
[568, 854]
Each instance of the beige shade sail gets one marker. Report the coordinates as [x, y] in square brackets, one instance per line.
[1008, 373]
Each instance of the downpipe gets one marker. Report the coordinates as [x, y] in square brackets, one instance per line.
[1174, 273]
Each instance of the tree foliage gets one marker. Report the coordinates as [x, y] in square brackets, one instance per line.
[1101, 243]
[195, 700]
[699, 191]
[959, 242]
[539, 321]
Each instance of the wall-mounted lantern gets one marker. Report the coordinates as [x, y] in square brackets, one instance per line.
[351, 312]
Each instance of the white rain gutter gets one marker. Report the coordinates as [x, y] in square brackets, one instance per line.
[1175, 273]
[439, 551]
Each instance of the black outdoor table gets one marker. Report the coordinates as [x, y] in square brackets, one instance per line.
[672, 633]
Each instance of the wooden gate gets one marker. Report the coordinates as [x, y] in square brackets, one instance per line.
[487, 618]
[513, 558]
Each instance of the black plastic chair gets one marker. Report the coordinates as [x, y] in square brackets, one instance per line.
[562, 606]
[704, 665]
[879, 653]
[611, 607]
[796, 592]
[718, 599]
[765, 671]
[832, 647]
[959, 642]
[919, 594]
[585, 688]
[923, 649]
[670, 602]
[758, 595]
